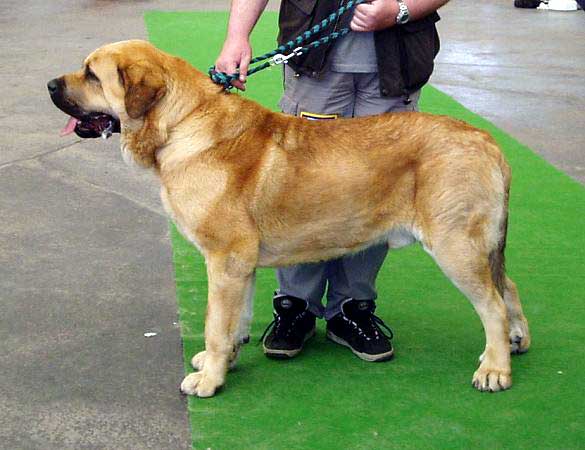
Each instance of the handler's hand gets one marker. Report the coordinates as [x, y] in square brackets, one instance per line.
[374, 15]
[235, 53]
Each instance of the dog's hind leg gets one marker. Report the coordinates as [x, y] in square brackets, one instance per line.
[519, 332]
[468, 268]
[230, 275]
[243, 334]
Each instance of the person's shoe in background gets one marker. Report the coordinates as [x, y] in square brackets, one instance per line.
[293, 325]
[357, 328]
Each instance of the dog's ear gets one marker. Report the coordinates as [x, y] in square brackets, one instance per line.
[144, 85]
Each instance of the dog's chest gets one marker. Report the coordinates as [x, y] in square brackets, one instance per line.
[185, 225]
[191, 197]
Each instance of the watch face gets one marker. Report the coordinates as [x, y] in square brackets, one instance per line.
[403, 14]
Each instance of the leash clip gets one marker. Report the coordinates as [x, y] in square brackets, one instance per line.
[282, 59]
[108, 131]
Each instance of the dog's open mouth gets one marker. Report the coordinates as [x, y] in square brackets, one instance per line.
[92, 126]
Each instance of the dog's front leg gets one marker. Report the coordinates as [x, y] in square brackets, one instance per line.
[230, 277]
[243, 334]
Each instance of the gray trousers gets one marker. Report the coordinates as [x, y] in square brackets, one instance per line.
[352, 276]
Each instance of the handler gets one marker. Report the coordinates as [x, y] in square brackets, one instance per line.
[378, 67]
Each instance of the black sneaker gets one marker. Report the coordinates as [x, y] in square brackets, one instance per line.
[526, 3]
[357, 328]
[293, 325]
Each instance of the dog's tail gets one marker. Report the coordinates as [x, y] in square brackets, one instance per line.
[496, 256]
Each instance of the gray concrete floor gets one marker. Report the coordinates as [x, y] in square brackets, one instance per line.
[85, 259]
[523, 70]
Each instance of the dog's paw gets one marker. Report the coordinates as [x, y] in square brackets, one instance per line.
[198, 361]
[491, 380]
[519, 338]
[199, 384]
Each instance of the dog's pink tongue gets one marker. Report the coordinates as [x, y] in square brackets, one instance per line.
[70, 127]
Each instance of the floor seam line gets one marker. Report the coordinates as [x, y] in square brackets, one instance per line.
[40, 155]
[76, 178]
[142, 205]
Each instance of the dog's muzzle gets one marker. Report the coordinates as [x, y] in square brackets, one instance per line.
[84, 124]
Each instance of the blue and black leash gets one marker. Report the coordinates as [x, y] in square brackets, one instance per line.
[292, 48]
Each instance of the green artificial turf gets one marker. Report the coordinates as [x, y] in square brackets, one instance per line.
[327, 398]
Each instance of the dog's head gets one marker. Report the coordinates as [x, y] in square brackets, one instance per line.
[118, 86]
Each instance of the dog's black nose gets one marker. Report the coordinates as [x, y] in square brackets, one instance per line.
[54, 85]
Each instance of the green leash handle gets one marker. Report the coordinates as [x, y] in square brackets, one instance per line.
[277, 56]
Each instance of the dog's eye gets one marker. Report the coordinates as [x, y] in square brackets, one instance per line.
[90, 75]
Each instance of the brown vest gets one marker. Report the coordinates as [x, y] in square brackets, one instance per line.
[405, 52]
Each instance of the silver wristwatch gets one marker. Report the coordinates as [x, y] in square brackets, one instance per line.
[403, 15]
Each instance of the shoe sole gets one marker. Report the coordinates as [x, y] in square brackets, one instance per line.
[286, 354]
[365, 356]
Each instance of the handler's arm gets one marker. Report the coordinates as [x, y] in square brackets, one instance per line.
[236, 51]
[379, 14]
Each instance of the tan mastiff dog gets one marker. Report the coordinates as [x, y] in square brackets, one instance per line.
[254, 188]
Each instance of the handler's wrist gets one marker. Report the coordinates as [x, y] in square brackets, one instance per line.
[391, 13]
[237, 36]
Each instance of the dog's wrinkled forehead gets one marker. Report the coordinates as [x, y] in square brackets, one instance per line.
[123, 53]
[103, 58]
